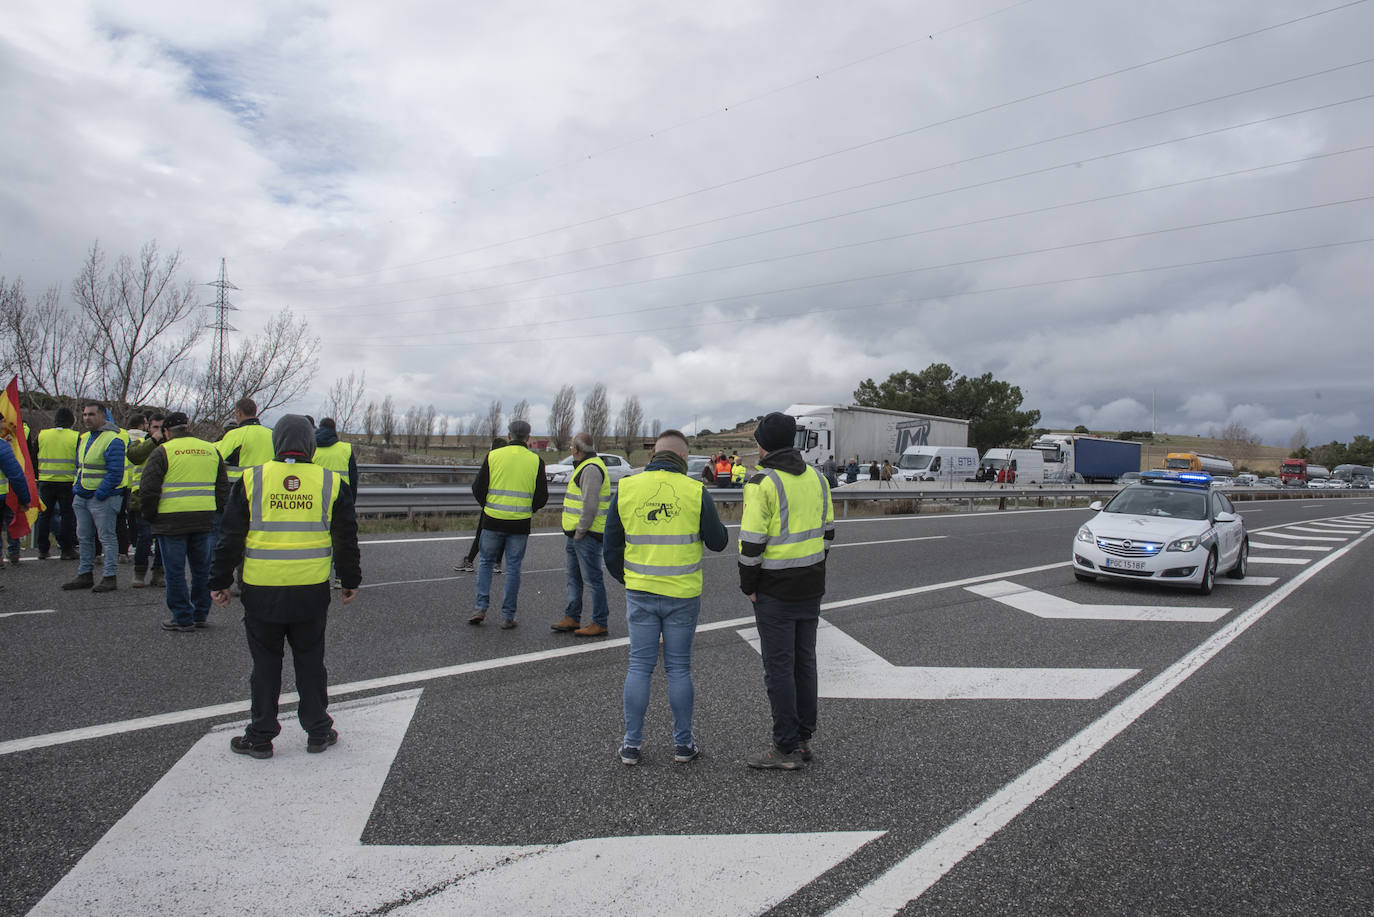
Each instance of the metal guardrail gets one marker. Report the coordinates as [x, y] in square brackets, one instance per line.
[431, 497]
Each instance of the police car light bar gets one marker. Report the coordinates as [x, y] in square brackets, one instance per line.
[1192, 478]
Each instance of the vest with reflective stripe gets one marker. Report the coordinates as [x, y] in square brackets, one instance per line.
[288, 540]
[334, 457]
[132, 473]
[510, 492]
[57, 454]
[254, 442]
[189, 485]
[789, 515]
[572, 500]
[661, 513]
[92, 459]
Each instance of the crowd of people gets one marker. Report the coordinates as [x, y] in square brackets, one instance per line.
[265, 514]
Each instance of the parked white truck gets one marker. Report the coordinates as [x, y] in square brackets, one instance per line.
[869, 434]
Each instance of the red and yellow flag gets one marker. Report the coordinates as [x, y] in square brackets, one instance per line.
[21, 523]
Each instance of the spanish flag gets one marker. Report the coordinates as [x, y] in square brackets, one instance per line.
[21, 523]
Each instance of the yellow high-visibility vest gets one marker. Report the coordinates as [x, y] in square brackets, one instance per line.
[789, 515]
[189, 485]
[91, 457]
[573, 499]
[57, 454]
[335, 457]
[661, 514]
[290, 507]
[510, 491]
[254, 442]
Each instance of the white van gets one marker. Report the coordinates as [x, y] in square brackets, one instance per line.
[938, 463]
[1030, 464]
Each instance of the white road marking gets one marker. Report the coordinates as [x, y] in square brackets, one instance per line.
[1296, 561]
[1313, 530]
[915, 874]
[1248, 581]
[218, 824]
[1255, 545]
[848, 669]
[863, 544]
[1045, 605]
[1303, 537]
[39, 611]
[236, 708]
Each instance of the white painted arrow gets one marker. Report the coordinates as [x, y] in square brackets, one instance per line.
[849, 669]
[221, 833]
[1044, 605]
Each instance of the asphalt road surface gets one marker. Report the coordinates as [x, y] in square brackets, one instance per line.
[995, 738]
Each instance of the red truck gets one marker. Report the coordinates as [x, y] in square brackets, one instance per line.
[1293, 472]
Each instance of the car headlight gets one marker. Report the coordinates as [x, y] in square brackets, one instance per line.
[1085, 535]
[1184, 544]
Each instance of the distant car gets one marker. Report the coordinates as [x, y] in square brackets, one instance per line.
[617, 467]
[1245, 479]
[1129, 477]
[1270, 482]
[1172, 528]
[1223, 481]
[1318, 484]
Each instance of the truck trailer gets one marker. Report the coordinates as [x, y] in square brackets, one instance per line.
[1091, 458]
[869, 434]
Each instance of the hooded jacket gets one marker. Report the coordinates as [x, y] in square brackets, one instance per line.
[293, 439]
[324, 436]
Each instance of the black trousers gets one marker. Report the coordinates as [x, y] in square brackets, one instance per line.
[266, 643]
[787, 640]
[57, 500]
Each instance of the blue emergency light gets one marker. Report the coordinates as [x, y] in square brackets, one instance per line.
[1187, 478]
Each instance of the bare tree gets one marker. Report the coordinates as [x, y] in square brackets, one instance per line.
[410, 426]
[562, 417]
[1298, 441]
[628, 422]
[443, 429]
[427, 425]
[1238, 442]
[492, 427]
[371, 420]
[387, 418]
[657, 428]
[272, 368]
[49, 349]
[138, 316]
[344, 397]
[521, 411]
[596, 414]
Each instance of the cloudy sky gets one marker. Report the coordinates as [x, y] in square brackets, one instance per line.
[727, 207]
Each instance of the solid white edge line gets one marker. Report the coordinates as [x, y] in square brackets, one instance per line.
[915, 874]
[39, 611]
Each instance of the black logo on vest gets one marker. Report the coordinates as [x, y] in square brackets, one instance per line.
[661, 507]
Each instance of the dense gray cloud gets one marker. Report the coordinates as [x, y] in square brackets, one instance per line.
[725, 208]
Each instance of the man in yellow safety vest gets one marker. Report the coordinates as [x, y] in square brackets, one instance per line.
[658, 522]
[286, 520]
[182, 487]
[785, 533]
[511, 487]
[56, 471]
[95, 497]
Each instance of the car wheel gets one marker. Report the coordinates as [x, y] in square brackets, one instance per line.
[1242, 561]
[1084, 577]
[1209, 574]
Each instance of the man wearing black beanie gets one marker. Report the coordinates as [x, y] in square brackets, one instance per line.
[785, 534]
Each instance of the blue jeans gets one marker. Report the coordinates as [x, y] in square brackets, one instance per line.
[494, 544]
[584, 566]
[95, 519]
[787, 643]
[177, 551]
[648, 618]
[144, 544]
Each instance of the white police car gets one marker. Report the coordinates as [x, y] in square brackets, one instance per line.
[1170, 528]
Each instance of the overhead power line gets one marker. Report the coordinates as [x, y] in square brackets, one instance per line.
[953, 294]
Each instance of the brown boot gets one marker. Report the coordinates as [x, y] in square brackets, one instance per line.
[80, 581]
[140, 574]
[591, 630]
[566, 624]
[106, 584]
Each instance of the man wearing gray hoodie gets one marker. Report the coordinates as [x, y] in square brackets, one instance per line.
[286, 520]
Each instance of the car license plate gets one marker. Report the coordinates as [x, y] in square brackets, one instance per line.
[1125, 564]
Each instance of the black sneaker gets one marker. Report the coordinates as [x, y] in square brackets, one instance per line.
[240, 745]
[774, 758]
[629, 755]
[202, 624]
[464, 567]
[685, 753]
[317, 744]
[805, 749]
[176, 628]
